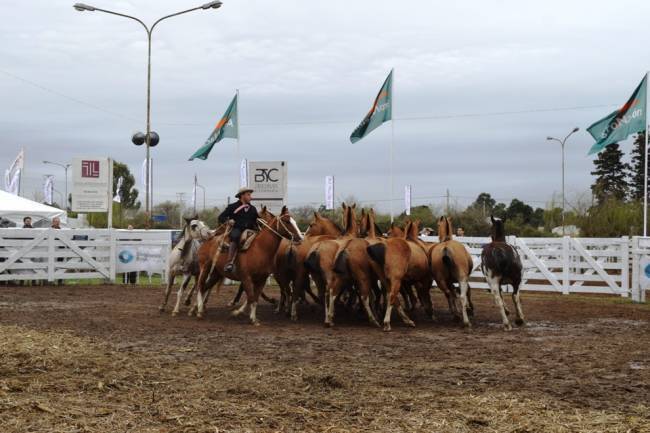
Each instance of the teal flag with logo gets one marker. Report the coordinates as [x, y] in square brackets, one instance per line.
[380, 112]
[617, 126]
[227, 127]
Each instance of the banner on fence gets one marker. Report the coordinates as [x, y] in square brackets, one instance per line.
[132, 258]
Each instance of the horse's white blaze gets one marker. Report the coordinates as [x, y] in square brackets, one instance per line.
[296, 228]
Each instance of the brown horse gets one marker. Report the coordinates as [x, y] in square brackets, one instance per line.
[501, 264]
[404, 262]
[321, 261]
[451, 263]
[253, 266]
[321, 228]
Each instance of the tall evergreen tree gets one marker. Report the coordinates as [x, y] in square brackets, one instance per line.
[611, 175]
[637, 173]
[128, 193]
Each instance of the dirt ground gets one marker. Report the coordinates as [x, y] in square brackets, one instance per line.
[102, 359]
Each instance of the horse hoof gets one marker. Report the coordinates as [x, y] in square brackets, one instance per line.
[329, 324]
[199, 316]
[161, 309]
[520, 322]
[174, 313]
[411, 323]
[255, 323]
[467, 325]
[507, 327]
[434, 319]
[387, 327]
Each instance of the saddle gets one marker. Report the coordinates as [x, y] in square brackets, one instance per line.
[245, 241]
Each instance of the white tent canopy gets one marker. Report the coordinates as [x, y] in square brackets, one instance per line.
[15, 208]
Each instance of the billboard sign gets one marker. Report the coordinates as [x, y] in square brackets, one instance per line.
[91, 184]
[269, 181]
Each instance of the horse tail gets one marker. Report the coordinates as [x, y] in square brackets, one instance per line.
[341, 262]
[447, 258]
[312, 263]
[377, 253]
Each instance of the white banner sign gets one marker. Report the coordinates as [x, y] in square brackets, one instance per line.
[268, 179]
[407, 199]
[91, 184]
[329, 192]
[13, 173]
[118, 193]
[243, 173]
[48, 189]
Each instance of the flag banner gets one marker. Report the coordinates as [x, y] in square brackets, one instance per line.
[227, 127]
[329, 192]
[118, 193]
[48, 189]
[620, 124]
[194, 194]
[380, 112]
[13, 173]
[407, 199]
[243, 173]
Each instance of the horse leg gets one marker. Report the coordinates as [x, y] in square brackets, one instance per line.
[179, 294]
[203, 293]
[470, 304]
[424, 293]
[464, 290]
[256, 292]
[365, 289]
[393, 300]
[451, 297]
[268, 299]
[520, 320]
[495, 288]
[168, 289]
[301, 280]
[237, 297]
[204, 274]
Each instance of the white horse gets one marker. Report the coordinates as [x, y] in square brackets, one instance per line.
[184, 259]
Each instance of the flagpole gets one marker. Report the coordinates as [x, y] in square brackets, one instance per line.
[645, 167]
[392, 144]
[238, 146]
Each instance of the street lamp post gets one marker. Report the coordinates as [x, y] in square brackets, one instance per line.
[562, 142]
[64, 167]
[210, 5]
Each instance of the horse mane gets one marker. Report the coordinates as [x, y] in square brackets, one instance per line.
[185, 239]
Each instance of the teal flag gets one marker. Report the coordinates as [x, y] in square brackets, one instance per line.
[380, 112]
[227, 127]
[617, 126]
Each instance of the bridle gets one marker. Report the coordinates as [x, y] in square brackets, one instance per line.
[276, 231]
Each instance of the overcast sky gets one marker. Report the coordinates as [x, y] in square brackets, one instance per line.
[308, 72]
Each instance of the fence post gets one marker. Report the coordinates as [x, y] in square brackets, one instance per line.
[566, 245]
[625, 263]
[636, 297]
[112, 253]
[50, 255]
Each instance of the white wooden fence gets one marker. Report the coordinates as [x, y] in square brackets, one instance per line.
[619, 266]
[51, 255]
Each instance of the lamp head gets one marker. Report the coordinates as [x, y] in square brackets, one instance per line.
[212, 5]
[576, 129]
[83, 7]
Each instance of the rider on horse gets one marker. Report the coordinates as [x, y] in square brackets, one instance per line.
[240, 215]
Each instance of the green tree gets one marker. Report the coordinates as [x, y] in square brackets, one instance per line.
[520, 209]
[637, 170]
[611, 175]
[128, 193]
[485, 203]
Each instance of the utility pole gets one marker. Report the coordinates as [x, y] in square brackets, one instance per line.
[447, 209]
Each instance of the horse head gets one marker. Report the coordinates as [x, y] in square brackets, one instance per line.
[395, 231]
[445, 229]
[323, 226]
[350, 226]
[286, 226]
[498, 231]
[197, 229]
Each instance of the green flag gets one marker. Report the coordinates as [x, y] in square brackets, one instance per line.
[617, 126]
[380, 112]
[227, 127]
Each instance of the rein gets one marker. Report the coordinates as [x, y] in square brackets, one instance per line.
[276, 232]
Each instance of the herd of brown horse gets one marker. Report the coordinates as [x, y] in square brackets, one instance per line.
[357, 265]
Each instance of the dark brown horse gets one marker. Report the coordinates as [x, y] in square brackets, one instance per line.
[501, 264]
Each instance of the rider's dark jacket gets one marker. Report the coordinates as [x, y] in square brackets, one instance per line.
[245, 216]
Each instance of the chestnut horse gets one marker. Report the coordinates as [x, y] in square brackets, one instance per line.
[501, 264]
[404, 262]
[451, 263]
[253, 266]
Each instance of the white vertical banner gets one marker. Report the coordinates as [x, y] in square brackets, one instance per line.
[118, 187]
[243, 173]
[13, 174]
[48, 189]
[407, 199]
[194, 194]
[329, 192]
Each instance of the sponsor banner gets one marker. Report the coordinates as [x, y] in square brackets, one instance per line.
[91, 184]
[131, 258]
[407, 199]
[243, 173]
[48, 189]
[268, 179]
[13, 174]
[329, 192]
[645, 273]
